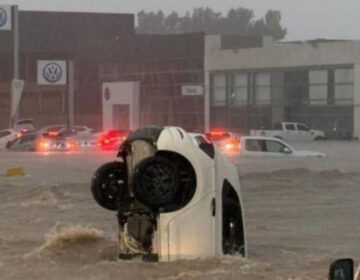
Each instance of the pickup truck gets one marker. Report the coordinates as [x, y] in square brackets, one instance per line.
[265, 147]
[291, 131]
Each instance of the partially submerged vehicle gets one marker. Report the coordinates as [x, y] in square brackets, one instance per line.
[291, 131]
[225, 140]
[42, 143]
[175, 195]
[24, 126]
[6, 136]
[257, 146]
[112, 140]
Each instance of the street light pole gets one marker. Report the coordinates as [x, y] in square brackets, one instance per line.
[16, 74]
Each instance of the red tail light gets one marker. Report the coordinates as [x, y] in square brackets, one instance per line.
[53, 133]
[43, 145]
[109, 138]
[229, 146]
[216, 133]
[71, 144]
[232, 145]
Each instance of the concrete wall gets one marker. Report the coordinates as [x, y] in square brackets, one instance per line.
[284, 55]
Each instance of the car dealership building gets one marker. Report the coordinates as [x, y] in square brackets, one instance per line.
[194, 80]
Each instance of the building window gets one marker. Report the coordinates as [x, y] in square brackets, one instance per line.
[262, 89]
[344, 86]
[219, 90]
[318, 87]
[290, 126]
[239, 94]
[296, 87]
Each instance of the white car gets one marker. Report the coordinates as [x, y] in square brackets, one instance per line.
[291, 131]
[175, 195]
[24, 125]
[7, 135]
[83, 130]
[257, 146]
[79, 130]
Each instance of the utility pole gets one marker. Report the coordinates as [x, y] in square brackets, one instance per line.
[14, 115]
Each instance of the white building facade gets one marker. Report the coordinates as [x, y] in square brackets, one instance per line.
[316, 82]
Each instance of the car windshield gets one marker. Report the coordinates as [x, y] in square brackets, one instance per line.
[171, 140]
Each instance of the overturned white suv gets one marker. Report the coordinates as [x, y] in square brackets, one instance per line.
[175, 195]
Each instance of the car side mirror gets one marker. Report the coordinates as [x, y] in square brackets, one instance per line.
[342, 269]
[286, 150]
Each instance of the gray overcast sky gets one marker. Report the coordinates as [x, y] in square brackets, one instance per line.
[304, 19]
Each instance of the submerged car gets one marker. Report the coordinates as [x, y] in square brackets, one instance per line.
[225, 140]
[291, 131]
[176, 197]
[111, 140]
[24, 126]
[42, 143]
[6, 136]
[257, 146]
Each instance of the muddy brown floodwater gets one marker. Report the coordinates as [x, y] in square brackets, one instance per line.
[300, 215]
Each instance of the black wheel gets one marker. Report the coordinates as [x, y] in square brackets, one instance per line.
[156, 181]
[108, 184]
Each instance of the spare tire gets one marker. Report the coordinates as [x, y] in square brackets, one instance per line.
[156, 181]
[109, 184]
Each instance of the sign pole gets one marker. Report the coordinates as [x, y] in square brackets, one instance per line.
[14, 118]
[71, 119]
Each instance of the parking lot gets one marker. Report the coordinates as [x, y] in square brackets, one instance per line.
[300, 214]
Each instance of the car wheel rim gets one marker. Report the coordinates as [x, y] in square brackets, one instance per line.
[110, 187]
[158, 182]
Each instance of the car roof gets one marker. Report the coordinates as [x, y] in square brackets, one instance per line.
[260, 138]
[24, 121]
[7, 129]
[29, 134]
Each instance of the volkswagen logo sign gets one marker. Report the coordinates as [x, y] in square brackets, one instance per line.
[107, 94]
[3, 17]
[52, 72]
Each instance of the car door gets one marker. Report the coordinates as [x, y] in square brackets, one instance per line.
[254, 148]
[27, 142]
[290, 132]
[304, 132]
[13, 145]
[5, 136]
[276, 148]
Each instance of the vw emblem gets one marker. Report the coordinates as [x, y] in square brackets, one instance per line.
[52, 72]
[3, 17]
[107, 94]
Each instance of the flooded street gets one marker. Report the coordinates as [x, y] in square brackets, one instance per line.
[300, 215]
